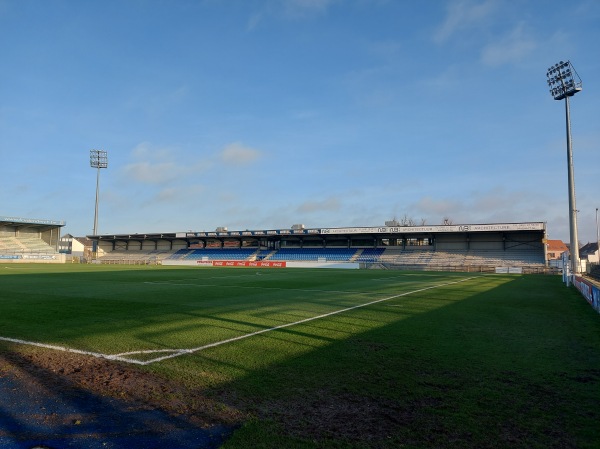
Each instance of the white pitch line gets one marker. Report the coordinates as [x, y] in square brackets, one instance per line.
[180, 352]
[75, 351]
[252, 334]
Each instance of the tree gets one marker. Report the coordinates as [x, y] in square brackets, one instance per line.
[407, 221]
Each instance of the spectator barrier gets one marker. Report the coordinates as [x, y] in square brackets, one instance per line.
[590, 291]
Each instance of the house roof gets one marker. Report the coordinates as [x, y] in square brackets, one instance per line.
[84, 241]
[589, 248]
[557, 246]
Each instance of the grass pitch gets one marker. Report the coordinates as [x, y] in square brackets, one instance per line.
[336, 358]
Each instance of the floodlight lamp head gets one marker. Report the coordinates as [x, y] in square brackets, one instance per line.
[98, 159]
[562, 81]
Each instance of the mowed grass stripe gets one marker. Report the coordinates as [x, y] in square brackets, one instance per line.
[96, 312]
[282, 326]
[499, 361]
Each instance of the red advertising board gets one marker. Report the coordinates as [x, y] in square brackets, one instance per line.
[248, 263]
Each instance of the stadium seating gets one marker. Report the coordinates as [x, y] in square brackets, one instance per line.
[369, 255]
[134, 257]
[315, 254]
[468, 258]
[214, 254]
[10, 244]
[413, 258]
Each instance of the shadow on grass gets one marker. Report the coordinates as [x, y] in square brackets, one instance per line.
[42, 407]
[516, 366]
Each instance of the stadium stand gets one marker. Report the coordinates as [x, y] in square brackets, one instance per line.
[467, 259]
[215, 254]
[315, 254]
[454, 247]
[134, 257]
[369, 255]
[29, 240]
[391, 258]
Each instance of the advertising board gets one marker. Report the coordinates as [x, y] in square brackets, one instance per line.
[589, 291]
[248, 263]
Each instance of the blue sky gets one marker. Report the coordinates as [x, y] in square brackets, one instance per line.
[256, 114]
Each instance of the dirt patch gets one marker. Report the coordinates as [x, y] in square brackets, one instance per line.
[357, 419]
[346, 416]
[56, 393]
[117, 380]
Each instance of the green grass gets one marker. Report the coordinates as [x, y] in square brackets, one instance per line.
[495, 361]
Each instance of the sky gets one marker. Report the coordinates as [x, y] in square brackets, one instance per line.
[261, 114]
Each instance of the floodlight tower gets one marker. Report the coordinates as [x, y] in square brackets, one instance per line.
[597, 236]
[564, 83]
[98, 160]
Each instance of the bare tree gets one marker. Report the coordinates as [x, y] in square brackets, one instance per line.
[448, 221]
[407, 221]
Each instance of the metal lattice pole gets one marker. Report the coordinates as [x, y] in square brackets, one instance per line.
[98, 160]
[564, 83]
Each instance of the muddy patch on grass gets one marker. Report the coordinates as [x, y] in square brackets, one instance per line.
[344, 416]
[67, 398]
[52, 369]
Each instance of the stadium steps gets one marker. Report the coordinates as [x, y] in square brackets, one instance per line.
[370, 255]
[18, 244]
[25, 244]
[356, 255]
[269, 255]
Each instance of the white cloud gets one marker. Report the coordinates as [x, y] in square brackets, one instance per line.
[152, 165]
[436, 207]
[145, 150]
[238, 154]
[159, 165]
[289, 9]
[157, 101]
[461, 15]
[449, 78]
[304, 8]
[326, 204]
[389, 50]
[152, 173]
[587, 9]
[487, 206]
[514, 47]
[254, 21]
[167, 195]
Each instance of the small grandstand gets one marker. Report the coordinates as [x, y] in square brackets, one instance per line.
[516, 247]
[24, 240]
